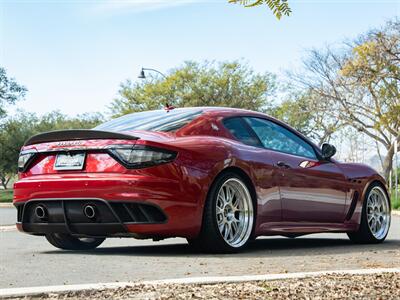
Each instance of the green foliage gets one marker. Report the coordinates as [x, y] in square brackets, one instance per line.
[295, 112]
[6, 195]
[15, 131]
[374, 66]
[10, 91]
[395, 201]
[393, 178]
[278, 7]
[306, 113]
[230, 84]
[359, 83]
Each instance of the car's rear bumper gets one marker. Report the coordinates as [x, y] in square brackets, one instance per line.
[102, 218]
[128, 205]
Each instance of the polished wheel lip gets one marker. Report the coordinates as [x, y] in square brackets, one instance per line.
[87, 240]
[378, 213]
[234, 212]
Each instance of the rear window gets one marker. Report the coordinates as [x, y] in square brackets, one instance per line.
[155, 120]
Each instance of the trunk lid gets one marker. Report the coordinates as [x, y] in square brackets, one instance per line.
[94, 143]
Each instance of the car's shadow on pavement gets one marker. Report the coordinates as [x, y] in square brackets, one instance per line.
[261, 247]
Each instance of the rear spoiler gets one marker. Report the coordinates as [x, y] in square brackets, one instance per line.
[77, 134]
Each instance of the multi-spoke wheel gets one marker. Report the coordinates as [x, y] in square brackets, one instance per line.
[234, 212]
[228, 216]
[378, 212]
[69, 242]
[375, 219]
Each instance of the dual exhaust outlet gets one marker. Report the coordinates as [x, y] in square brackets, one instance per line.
[90, 212]
[41, 212]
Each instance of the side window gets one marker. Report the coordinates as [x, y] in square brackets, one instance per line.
[278, 138]
[239, 130]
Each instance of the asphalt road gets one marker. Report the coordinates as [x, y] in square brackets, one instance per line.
[30, 261]
[8, 216]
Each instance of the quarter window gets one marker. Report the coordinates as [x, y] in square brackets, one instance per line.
[278, 138]
[240, 130]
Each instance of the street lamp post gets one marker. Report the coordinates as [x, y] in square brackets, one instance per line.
[142, 74]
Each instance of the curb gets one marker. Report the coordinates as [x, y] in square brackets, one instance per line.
[7, 228]
[32, 291]
[6, 205]
[396, 212]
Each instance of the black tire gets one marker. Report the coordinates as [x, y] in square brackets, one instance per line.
[364, 234]
[68, 242]
[210, 239]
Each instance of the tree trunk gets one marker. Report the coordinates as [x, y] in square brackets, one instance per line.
[4, 181]
[388, 162]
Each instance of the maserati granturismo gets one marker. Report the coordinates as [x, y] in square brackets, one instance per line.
[219, 177]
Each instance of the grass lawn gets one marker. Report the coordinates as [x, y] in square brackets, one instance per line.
[6, 195]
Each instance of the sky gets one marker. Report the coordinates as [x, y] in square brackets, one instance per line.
[73, 55]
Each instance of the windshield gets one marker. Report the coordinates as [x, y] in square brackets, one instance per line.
[155, 120]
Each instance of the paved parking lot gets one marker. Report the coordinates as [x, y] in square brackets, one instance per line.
[30, 261]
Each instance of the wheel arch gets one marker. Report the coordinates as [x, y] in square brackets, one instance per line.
[362, 234]
[249, 184]
[246, 177]
[382, 184]
[247, 180]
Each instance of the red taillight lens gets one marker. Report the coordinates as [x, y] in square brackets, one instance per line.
[135, 157]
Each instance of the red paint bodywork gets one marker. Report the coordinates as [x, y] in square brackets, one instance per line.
[311, 196]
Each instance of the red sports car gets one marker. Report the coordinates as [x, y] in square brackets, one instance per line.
[218, 177]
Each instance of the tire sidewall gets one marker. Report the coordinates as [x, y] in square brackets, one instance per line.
[68, 242]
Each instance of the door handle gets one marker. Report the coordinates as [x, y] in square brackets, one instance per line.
[282, 164]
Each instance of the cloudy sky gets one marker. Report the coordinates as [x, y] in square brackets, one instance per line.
[72, 55]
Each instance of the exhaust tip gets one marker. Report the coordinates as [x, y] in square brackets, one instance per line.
[41, 212]
[90, 211]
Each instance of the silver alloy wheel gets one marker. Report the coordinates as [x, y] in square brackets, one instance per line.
[378, 212]
[234, 212]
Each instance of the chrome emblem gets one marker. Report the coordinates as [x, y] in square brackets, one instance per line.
[69, 143]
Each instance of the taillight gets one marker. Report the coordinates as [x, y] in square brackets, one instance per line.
[138, 156]
[25, 158]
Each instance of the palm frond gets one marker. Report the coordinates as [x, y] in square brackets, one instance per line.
[278, 7]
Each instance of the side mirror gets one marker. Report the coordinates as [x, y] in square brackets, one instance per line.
[328, 151]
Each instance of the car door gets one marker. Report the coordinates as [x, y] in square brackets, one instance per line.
[311, 191]
[268, 196]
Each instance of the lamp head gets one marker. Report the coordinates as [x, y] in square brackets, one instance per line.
[142, 75]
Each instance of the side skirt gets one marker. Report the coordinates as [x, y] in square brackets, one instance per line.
[297, 229]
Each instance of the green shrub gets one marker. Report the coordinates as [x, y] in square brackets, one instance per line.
[6, 195]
